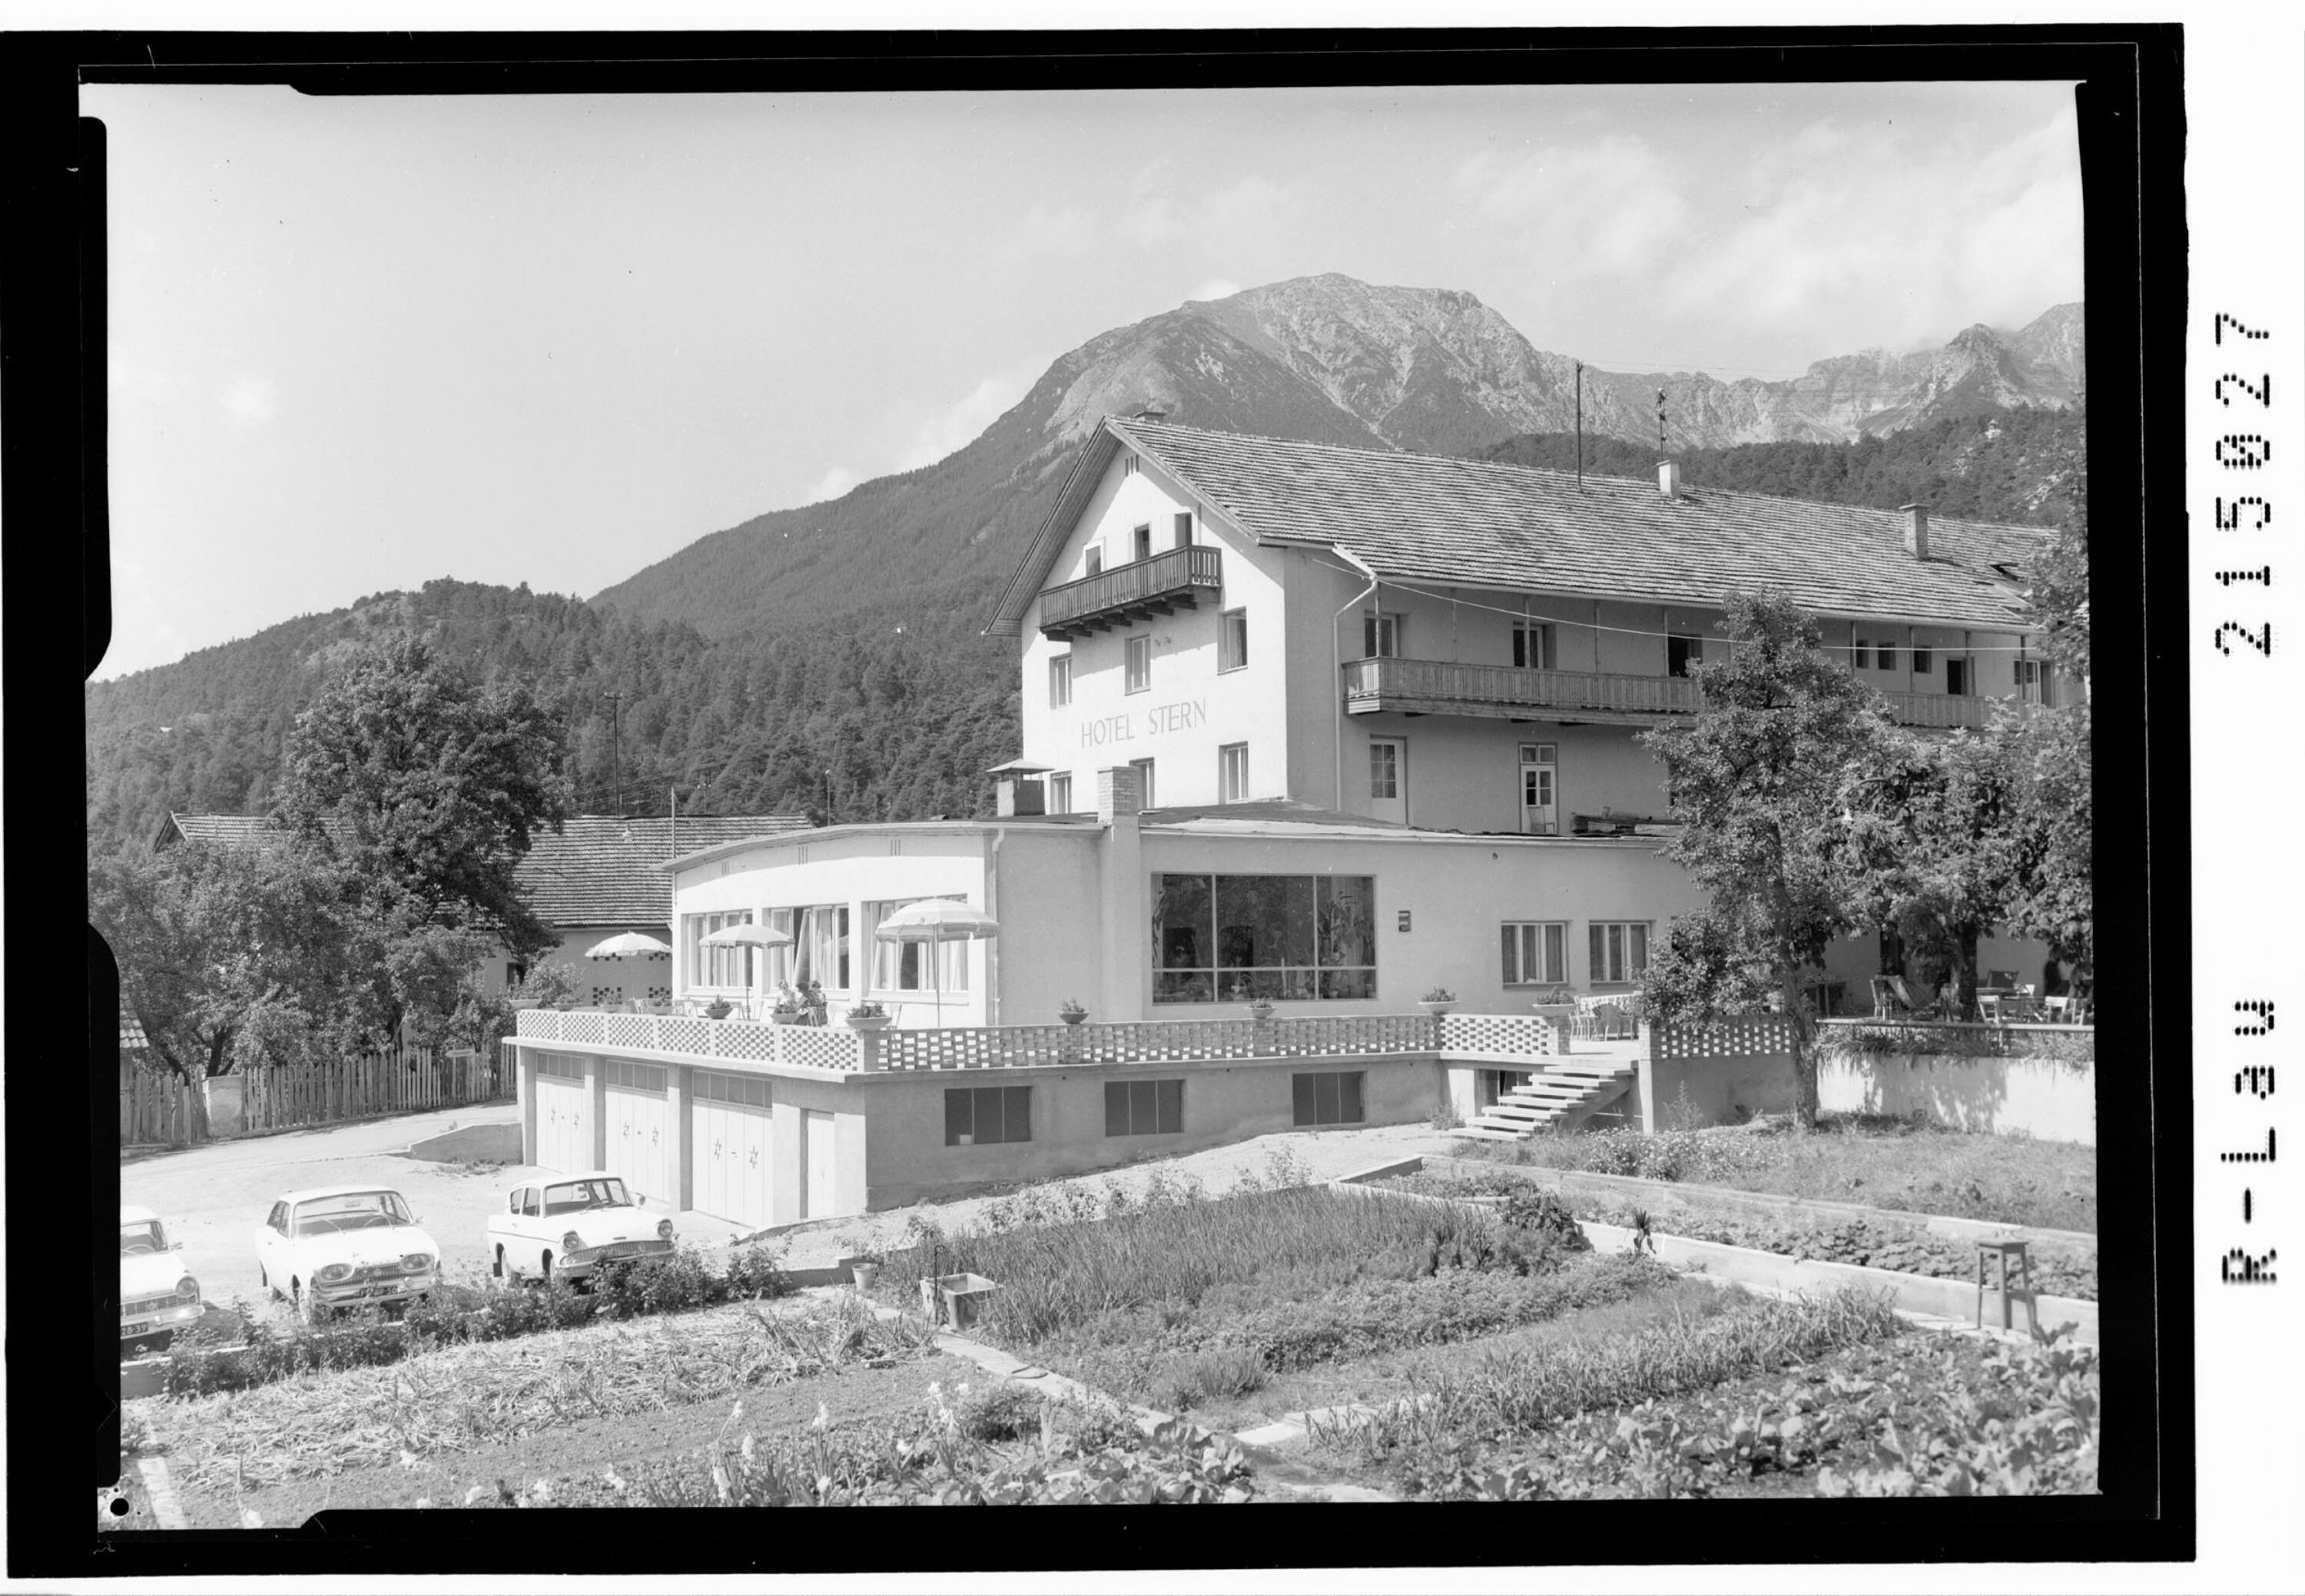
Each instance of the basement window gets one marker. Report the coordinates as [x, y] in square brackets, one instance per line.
[1143, 1107]
[1328, 1097]
[976, 1115]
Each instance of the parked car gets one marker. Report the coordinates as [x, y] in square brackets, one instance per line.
[342, 1247]
[156, 1297]
[568, 1226]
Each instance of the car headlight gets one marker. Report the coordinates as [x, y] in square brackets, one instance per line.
[664, 1230]
[572, 1242]
[333, 1272]
[413, 1261]
[189, 1287]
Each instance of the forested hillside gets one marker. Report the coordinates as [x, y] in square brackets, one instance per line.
[846, 638]
[2021, 465]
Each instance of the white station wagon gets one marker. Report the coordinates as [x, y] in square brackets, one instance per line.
[569, 1226]
[343, 1247]
[156, 1297]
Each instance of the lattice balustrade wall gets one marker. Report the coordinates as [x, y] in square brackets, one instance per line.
[818, 1047]
[1756, 1036]
[1493, 1036]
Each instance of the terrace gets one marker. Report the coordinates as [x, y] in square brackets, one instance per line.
[1511, 692]
[1171, 580]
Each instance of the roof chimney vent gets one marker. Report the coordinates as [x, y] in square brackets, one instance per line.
[1152, 411]
[1118, 795]
[1669, 479]
[1017, 789]
[1917, 530]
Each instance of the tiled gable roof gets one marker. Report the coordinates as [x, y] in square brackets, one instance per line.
[599, 870]
[1482, 524]
[603, 871]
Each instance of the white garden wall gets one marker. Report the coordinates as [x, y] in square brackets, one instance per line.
[2044, 1097]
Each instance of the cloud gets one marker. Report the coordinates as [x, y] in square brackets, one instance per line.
[1582, 210]
[1214, 288]
[1879, 237]
[1219, 217]
[832, 485]
[956, 425]
[1072, 231]
[248, 400]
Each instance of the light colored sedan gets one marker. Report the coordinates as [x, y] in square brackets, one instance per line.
[568, 1227]
[156, 1296]
[340, 1247]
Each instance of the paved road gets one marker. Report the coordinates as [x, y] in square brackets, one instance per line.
[213, 1197]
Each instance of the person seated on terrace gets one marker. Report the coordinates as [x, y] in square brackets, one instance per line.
[2053, 979]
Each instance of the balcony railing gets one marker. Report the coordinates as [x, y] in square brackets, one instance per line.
[1448, 687]
[1171, 580]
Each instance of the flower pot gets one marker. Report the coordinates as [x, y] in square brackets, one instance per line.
[1436, 1007]
[963, 1299]
[864, 1274]
[1260, 1011]
[870, 1022]
[716, 1011]
[1072, 1016]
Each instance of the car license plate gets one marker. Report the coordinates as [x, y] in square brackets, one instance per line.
[136, 1329]
[377, 1291]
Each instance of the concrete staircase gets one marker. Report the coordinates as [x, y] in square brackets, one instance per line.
[1562, 1094]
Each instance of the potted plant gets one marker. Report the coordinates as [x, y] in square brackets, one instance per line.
[868, 1017]
[1260, 1008]
[718, 1008]
[1438, 1001]
[1072, 1013]
[865, 1268]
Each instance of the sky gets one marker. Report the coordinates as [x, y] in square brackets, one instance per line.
[360, 343]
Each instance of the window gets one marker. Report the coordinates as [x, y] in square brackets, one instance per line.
[2033, 681]
[1095, 560]
[1061, 793]
[1291, 938]
[1922, 660]
[1061, 682]
[819, 947]
[1958, 677]
[1540, 792]
[1681, 653]
[1128, 466]
[529, 1202]
[1232, 774]
[1184, 529]
[1533, 644]
[974, 1116]
[1144, 769]
[1139, 665]
[1330, 1098]
[1232, 640]
[713, 1087]
[727, 968]
[1142, 541]
[1860, 655]
[907, 966]
[1619, 950]
[1143, 1107]
[1536, 953]
[1884, 656]
[1380, 636]
[1384, 769]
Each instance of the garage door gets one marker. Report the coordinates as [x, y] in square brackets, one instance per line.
[641, 1139]
[564, 1116]
[730, 1145]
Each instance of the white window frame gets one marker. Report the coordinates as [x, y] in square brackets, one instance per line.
[899, 969]
[1061, 793]
[1136, 665]
[1228, 656]
[1140, 542]
[705, 964]
[1092, 561]
[1391, 771]
[1060, 680]
[1381, 634]
[1614, 955]
[1544, 943]
[1144, 769]
[1184, 529]
[2031, 680]
[1534, 645]
[1232, 774]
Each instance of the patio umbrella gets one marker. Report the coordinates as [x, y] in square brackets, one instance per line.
[933, 922]
[628, 944]
[748, 936]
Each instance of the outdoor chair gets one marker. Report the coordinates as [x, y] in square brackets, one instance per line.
[1914, 1009]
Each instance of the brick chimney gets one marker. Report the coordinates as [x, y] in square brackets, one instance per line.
[1917, 530]
[1117, 798]
[1669, 479]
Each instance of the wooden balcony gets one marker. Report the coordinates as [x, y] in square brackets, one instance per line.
[1507, 692]
[1171, 580]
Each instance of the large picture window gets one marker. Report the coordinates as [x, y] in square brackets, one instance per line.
[1287, 938]
[1619, 950]
[820, 951]
[909, 966]
[727, 968]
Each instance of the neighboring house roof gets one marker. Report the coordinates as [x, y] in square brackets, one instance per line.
[598, 870]
[603, 871]
[1514, 528]
[132, 1031]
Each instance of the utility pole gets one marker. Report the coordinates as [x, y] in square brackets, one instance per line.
[615, 747]
[827, 798]
[1580, 423]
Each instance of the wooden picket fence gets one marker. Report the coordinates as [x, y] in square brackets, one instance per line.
[156, 1108]
[405, 1080]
